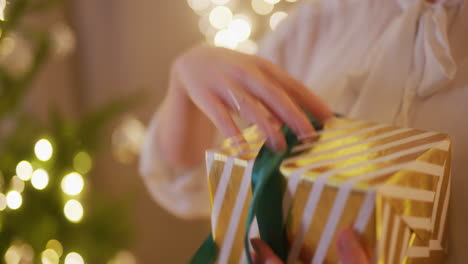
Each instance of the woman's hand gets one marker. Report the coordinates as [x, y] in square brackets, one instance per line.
[350, 250]
[219, 82]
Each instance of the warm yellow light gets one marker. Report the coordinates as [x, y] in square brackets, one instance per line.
[261, 7]
[14, 200]
[17, 184]
[2, 9]
[3, 203]
[24, 170]
[56, 246]
[49, 256]
[225, 38]
[240, 28]
[276, 18]
[40, 179]
[247, 46]
[73, 211]
[123, 257]
[220, 17]
[220, 2]
[43, 149]
[13, 255]
[291, 1]
[74, 258]
[199, 5]
[272, 1]
[82, 162]
[72, 183]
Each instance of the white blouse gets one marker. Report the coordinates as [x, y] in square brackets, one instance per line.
[403, 62]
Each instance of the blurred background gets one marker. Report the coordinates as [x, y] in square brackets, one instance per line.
[79, 81]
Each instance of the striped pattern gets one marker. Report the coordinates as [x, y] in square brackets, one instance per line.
[390, 183]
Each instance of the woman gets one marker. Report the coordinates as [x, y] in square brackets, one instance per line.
[396, 61]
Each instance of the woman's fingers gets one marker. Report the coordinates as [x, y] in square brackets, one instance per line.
[252, 111]
[298, 92]
[220, 115]
[279, 103]
[264, 254]
[350, 250]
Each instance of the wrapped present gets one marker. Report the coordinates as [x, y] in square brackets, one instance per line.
[391, 184]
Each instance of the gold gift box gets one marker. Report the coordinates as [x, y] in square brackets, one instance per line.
[390, 183]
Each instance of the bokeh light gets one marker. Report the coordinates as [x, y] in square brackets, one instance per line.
[56, 246]
[73, 211]
[40, 179]
[14, 200]
[261, 7]
[13, 255]
[123, 257]
[49, 256]
[272, 1]
[240, 28]
[199, 5]
[82, 162]
[3, 203]
[276, 18]
[2, 9]
[16, 184]
[220, 2]
[74, 258]
[248, 46]
[24, 170]
[220, 17]
[43, 149]
[72, 183]
[225, 38]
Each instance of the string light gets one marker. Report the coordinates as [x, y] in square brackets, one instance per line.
[73, 211]
[220, 2]
[248, 46]
[220, 17]
[43, 149]
[74, 258]
[40, 179]
[56, 246]
[14, 200]
[3, 204]
[240, 28]
[82, 162]
[49, 256]
[225, 38]
[13, 255]
[261, 7]
[17, 184]
[123, 257]
[199, 5]
[72, 183]
[2, 9]
[276, 18]
[24, 170]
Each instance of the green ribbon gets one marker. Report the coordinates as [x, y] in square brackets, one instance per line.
[267, 201]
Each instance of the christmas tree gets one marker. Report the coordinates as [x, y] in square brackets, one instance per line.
[49, 212]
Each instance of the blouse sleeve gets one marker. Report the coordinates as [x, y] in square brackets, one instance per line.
[182, 192]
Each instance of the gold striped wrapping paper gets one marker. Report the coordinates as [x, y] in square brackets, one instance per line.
[391, 184]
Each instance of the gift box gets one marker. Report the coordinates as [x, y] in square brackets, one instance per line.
[390, 184]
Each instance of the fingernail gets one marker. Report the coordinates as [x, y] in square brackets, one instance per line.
[276, 146]
[308, 136]
[255, 244]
